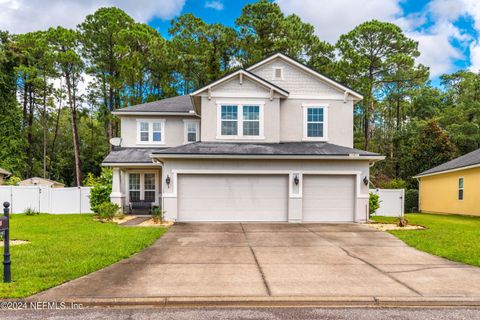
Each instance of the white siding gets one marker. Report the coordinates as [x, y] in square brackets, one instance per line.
[295, 81]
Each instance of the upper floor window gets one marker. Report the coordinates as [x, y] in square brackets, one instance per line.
[151, 131]
[229, 120]
[315, 123]
[251, 120]
[191, 131]
[240, 121]
[460, 188]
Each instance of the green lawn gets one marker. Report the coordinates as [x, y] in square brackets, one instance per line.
[65, 247]
[453, 237]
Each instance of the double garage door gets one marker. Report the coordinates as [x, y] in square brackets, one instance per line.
[240, 197]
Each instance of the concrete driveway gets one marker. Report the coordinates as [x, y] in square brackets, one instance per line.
[277, 260]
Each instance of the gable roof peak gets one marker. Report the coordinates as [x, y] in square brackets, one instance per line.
[308, 70]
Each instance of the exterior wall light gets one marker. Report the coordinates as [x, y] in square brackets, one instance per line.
[295, 180]
[167, 180]
[365, 181]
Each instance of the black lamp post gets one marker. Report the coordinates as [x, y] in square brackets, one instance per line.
[4, 226]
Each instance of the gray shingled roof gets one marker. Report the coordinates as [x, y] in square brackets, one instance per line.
[179, 104]
[130, 155]
[280, 149]
[466, 160]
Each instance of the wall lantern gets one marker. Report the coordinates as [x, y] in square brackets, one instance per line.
[295, 180]
[365, 181]
[167, 180]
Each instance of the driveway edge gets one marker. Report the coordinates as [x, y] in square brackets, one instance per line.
[189, 302]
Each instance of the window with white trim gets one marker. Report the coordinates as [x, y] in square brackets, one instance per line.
[142, 186]
[134, 186]
[251, 120]
[191, 131]
[149, 187]
[460, 188]
[229, 120]
[151, 131]
[315, 126]
[241, 120]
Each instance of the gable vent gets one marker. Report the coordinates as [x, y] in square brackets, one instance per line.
[278, 73]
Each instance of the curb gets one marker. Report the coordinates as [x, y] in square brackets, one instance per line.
[195, 302]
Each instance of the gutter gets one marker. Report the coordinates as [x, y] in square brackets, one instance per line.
[274, 157]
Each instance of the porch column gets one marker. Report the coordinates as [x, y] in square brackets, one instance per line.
[117, 196]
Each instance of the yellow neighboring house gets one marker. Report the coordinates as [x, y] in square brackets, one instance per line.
[4, 174]
[452, 187]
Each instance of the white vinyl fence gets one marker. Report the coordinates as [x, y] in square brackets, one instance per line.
[46, 200]
[391, 202]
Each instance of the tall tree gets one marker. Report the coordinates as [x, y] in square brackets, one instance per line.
[65, 43]
[368, 55]
[264, 29]
[99, 36]
[203, 52]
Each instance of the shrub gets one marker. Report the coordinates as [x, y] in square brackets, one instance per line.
[101, 188]
[30, 212]
[107, 210]
[411, 200]
[158, 214]
[373, 203]
[12, 181]
[394, 184]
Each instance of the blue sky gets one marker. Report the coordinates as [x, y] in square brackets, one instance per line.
[447, 30]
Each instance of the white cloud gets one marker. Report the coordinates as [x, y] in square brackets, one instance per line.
[475, 56]
[333, 18]
[214, 4]
[433, 27]
[18, 16]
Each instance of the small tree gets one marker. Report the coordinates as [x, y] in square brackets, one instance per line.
[373, 203]
[101, 188]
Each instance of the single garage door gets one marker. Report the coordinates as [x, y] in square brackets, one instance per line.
[328, 198]
[232, 197]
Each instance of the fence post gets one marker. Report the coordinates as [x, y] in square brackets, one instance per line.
[7, 276]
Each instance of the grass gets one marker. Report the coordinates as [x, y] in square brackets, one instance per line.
[65, 247]
[453, 237]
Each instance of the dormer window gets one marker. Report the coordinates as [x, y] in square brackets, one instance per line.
[315, 122]
[150, 131]
[277, 73]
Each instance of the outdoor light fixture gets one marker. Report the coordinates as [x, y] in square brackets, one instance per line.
[295, 180]
[167, 180]
[365, 180]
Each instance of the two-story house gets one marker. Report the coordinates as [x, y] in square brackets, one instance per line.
[272, 142]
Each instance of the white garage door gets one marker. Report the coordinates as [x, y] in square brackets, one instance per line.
[232, 197]
[328, 198]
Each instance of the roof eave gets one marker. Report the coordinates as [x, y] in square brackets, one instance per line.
[267, 156]
[246, 73]
[151, 113]
[421, 175]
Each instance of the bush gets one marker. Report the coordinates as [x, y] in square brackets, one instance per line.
[394, 184]
[107, 210]
[411, 200]
[101, 188]
[158, 214]
[30, 212]
[12, 181]
[373, 203]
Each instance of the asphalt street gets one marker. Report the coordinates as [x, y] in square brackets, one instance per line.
[250, 313]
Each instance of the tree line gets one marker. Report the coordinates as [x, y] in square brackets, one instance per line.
[58, 87]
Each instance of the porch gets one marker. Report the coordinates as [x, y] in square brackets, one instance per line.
[137, 189]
